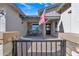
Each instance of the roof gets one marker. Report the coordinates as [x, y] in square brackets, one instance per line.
[59, 7]
[64, 7]
[17, 9]
[49, 8]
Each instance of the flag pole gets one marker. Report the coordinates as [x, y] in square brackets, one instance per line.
[42, 22]
[44, 29]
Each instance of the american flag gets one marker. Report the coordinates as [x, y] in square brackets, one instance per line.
[42, 18]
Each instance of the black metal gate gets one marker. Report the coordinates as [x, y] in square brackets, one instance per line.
[39, 48]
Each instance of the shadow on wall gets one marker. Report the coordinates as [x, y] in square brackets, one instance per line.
[61, 29]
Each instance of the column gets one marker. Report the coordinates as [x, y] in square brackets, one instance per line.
[26, 28]
[53, 28]
[44, 31]
[40, 29]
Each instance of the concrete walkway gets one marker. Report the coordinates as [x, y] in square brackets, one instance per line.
[39, 38]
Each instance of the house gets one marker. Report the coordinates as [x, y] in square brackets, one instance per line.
[61, 22]
[15, 20]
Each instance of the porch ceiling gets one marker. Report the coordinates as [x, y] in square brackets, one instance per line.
[37, 18]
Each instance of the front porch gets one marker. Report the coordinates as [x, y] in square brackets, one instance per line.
[48, 29]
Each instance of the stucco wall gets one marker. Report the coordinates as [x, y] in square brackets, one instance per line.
[75, 18]
[13, 21]
[66, 21]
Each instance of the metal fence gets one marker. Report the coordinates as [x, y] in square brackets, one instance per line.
[39, 47]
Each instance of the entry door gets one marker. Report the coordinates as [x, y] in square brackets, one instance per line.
[48, 29]
[35, 29]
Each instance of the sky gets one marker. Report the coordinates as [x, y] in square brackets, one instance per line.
[31, 8]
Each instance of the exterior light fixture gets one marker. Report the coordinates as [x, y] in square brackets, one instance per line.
[69, 12]
[2, 12]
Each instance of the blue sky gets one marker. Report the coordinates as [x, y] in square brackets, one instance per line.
[31, 8]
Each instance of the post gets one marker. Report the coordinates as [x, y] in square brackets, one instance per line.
[64, 48]
[44, 31]
[14, 49]
[26, 25]
[53, 28]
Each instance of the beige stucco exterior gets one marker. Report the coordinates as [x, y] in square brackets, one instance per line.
[13, 21]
